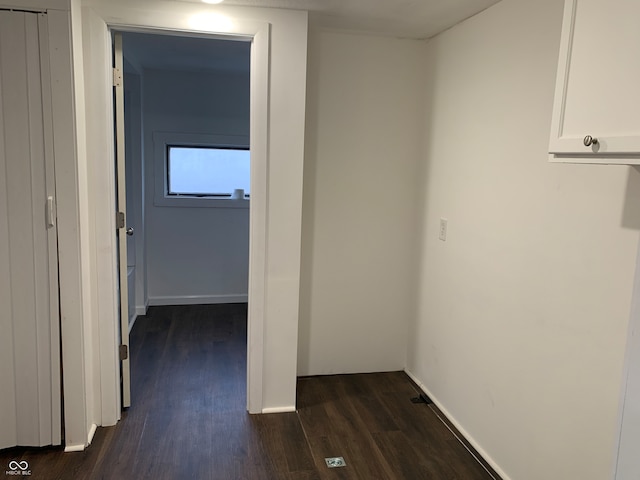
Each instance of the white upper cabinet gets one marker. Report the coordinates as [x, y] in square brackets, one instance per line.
[596, 113]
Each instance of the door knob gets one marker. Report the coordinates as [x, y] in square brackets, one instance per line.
[129, 231]
[589, 140]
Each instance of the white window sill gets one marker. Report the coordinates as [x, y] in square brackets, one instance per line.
[205, 202]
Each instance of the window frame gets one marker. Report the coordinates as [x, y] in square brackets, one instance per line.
[161, 143]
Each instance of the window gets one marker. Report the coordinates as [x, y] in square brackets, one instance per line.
[193, 170]
[207, 171]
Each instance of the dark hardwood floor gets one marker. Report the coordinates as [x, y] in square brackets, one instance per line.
[188, 418]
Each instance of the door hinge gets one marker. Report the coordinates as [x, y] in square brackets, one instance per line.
[123, 352]
[117, 77]
[119, 219]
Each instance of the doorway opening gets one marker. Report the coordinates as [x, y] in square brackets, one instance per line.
[187, 248]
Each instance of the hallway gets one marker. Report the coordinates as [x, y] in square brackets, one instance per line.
[188, 417]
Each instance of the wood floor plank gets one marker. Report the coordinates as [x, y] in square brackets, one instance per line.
[360, 411]
[188, 418]
[410, 460]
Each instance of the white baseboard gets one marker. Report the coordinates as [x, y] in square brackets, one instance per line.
[286, 409]
[80, 447]
[485, 456]
[92, 432]
[142, 309]
[198, 299]
[74, 448]
[139, 310]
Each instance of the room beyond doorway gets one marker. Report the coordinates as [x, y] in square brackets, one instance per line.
[184, 92]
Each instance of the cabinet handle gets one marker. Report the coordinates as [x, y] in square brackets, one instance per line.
[50, 213]
[589, 140]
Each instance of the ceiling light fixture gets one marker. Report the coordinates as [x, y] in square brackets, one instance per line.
[213, 2]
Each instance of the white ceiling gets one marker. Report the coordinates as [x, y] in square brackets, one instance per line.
[400, 18]
[172, 52]
[417, 19]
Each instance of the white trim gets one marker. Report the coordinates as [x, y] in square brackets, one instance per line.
[197, 299]
[99, 120]
[75, 448]
[593, 160]
[562, 78]
[92, 432]
[142, 309]
[287, 409]
[485, 456]
[259, 141]
[122, 18]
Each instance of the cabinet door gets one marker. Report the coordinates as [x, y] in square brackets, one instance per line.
[598, 84]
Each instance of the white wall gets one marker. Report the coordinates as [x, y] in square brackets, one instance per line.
[364, 121]
[194, 254]
[522, 317]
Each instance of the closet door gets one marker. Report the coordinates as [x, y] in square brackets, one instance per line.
[30, 398]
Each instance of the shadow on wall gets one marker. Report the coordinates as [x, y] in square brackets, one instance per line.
[631, 210]
[308, 218]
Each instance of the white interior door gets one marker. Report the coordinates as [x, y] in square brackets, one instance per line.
[123, 230]
[30, 397]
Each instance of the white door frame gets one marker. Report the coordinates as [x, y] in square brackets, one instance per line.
[259, 34]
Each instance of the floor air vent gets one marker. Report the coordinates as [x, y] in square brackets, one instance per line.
[334, 462]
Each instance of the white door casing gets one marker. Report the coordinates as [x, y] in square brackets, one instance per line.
[278, 79]
[259, 34]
